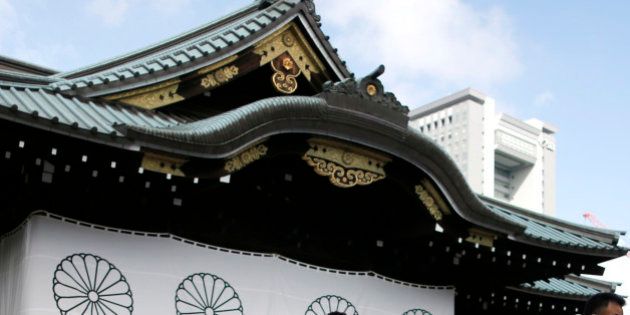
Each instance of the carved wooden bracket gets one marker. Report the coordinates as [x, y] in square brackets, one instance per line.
[481, 237]
[163, 164]
[432, 200]
[219, 77]
[245, 158]
[429, 202]
[288, 42]
[285, 72]
[345, 165]
[151, 97]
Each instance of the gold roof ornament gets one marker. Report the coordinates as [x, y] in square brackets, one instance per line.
[285, 72]
[245, 158]
[219, 77]
[163, 164]
[481, 237]
[432, 200]
[345, 165]
[290, 55]
[151, 97]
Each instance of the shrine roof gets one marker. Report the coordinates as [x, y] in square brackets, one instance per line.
[8, 63]
[195, 49]
[570, 287]
[55, 111]
[541, 228]
[343, 110]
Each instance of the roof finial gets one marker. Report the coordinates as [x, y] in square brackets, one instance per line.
[367, 94]
[310, 7]
[377, 72]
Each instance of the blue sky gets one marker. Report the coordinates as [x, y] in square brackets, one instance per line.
[564, 62]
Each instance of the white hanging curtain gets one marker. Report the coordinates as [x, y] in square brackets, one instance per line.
[57, 266]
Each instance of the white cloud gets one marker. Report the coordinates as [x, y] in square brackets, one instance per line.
[544, 98]
[445, 41]
[112, 12]
[8, 20]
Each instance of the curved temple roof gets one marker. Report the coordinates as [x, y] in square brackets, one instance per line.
[346, 110]
[358, 111]
[570, 287]
[195, 49]
[223, 135]
[543, 229]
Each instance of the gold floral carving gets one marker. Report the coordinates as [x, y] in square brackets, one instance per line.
[436, 196]
[429, 202]
[245, 158]
[163, 164]
[285, 71]
[151, 97]
[290, 40]
[219, 77]
[345, 165]
[481, 237]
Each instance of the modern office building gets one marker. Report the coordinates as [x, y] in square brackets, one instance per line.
[501, 157]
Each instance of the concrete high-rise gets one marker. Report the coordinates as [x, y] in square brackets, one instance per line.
[500, 156]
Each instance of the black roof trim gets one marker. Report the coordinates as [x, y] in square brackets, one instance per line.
[25, 67]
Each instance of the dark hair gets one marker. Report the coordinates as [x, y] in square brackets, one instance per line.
[600, 300]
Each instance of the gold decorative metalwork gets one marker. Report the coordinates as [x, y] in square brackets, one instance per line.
[285, 71]
[219, 77]
[245, 158]
[429, 202]
[436, 196]
[371, 89]
[151, 97]
[481, 237]
[290, 40]
[345, 165]
[163, 164]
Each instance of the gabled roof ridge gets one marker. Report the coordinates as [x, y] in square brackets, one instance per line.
[27, 65]
[568, 226]
[571, 287]
[164, 44]
[74, 115]
[200, 48]
[592, 282]
[21, 78]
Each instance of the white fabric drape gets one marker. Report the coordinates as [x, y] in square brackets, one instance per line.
[13, 249]
[51, 259]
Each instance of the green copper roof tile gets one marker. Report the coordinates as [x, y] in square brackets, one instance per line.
[83, 114]
[197, 45]
[553, 230]
[573, 286]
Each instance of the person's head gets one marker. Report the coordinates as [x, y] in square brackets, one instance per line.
[604, 304]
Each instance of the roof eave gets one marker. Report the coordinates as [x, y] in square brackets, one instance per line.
[609, 236]
[80, 83]
[314, 116]
[145, 51]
